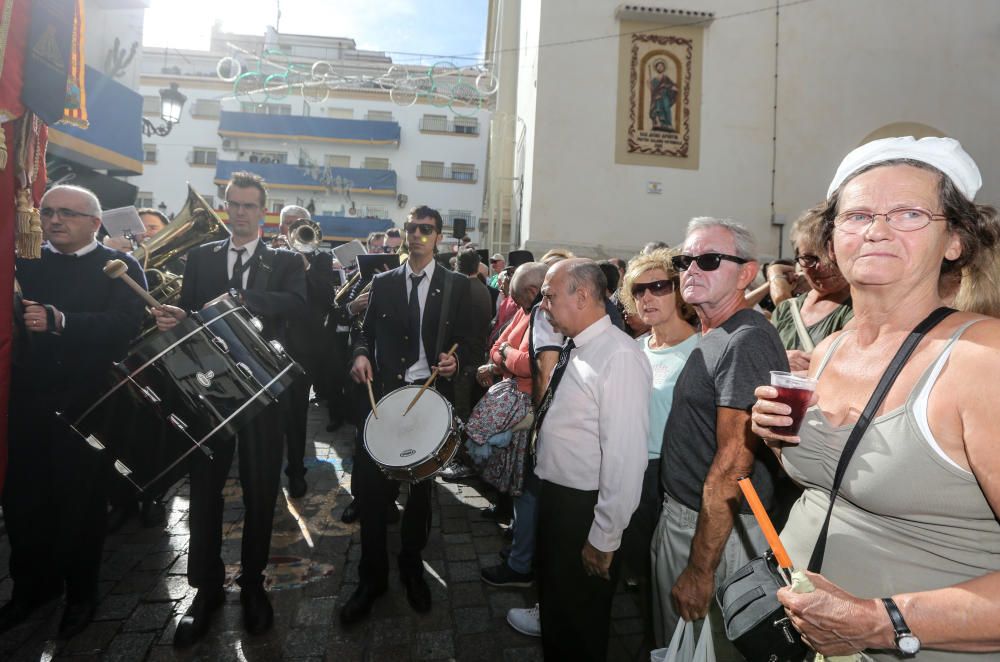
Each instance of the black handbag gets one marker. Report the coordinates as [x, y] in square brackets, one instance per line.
[754, 619]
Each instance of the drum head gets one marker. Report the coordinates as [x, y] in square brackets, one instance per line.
[395, 440]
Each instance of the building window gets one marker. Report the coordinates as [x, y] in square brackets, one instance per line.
[434, 123]
[449, 220]
[469, 125]
[210, 108]
[144, 199]
[277, 206]
[209, 198]
[340, 113]
[151, 105]
[268, 157]
[374, 212]
[205, 156]
[376, 163]
[464, 172]
[337, 161]
[379, 116]
[431, 169]
[266, 108]
[220, 191]
[149, 153]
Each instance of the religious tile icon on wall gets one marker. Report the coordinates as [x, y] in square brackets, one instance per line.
[659, 107]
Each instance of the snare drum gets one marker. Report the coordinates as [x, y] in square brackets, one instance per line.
[180, 389]
[414, 447]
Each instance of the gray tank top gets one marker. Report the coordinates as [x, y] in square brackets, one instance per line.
[906, 519]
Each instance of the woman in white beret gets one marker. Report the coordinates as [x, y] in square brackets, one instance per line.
[912, 560]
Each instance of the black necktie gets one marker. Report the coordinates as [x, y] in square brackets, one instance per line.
[413, 321]
[557, 374]
[236, 281]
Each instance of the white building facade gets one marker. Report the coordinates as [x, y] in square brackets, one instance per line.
[357, 156]
[774, 98]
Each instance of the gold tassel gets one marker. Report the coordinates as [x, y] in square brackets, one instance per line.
[3, 150]
[29, 227]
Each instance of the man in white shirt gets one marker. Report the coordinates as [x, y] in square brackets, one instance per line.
[591, 455]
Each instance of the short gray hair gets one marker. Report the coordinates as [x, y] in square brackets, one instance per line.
[300, 212]
[92, 202]
[529, 274]
[586, 274]
[745, 244]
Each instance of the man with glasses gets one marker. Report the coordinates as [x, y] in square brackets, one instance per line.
[706, 530]
[76, 323]
[415, 314]
[270, 283]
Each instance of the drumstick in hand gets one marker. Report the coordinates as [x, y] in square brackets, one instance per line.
[430, 380]
[118, 269]
[371, 399]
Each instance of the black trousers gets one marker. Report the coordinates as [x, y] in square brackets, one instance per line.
[375, 492]
[295, 426]
[260, 451]
[54, 506]
[575, 607]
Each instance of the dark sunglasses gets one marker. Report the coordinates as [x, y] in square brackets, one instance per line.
[425, 229]
[657, 288]
[807, 261]
[705, 261]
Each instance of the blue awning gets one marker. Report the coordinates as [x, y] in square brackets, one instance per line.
[344, 227]
[328, 129]
[113, 141]
[320, 179]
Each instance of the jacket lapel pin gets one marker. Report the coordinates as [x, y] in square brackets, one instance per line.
[217, 248]
[436, 292]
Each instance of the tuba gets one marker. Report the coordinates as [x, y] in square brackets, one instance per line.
[195, 224]
[304, 236]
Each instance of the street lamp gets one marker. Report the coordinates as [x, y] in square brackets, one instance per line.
[171, 104]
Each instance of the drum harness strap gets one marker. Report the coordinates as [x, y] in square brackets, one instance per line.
[442, 319]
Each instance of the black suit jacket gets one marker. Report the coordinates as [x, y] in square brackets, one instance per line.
[283, 297]
[385, 325]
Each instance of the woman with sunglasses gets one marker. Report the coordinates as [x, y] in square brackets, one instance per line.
[826, 307]
[650, 292]
[912, 560]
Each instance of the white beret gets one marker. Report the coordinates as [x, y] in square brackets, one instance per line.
[945, 154]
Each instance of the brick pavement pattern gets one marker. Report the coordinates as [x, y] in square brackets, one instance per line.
[313, 571]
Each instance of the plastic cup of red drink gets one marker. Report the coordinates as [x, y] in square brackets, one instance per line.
[794, 391]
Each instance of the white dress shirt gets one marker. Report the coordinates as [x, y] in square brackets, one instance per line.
[420, 370]
[594, 433]
[231, 255]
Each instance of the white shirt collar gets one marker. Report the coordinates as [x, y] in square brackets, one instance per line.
[80, 253]
[428, 270]
[251, 247]
[592, 331]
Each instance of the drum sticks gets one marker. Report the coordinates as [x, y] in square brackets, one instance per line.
[118, 269]
[371, 399]
[430, 380]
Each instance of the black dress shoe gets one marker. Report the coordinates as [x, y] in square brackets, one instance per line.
[297, 486]
[119, 515]
[351, 513]
[418, 593]
[258, 615]
[194, 624]
[75, 618]
[360, 603]
[13, 613]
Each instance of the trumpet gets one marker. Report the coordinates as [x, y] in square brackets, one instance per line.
[304, 236]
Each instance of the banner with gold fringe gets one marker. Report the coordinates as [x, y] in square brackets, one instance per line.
[75, 112]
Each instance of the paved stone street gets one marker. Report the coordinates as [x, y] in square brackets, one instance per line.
[312, 573]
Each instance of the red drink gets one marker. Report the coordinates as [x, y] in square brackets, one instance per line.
[798, 400]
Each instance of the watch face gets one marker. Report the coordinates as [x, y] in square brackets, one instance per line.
[908, 644]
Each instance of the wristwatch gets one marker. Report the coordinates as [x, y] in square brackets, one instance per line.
[906, 641]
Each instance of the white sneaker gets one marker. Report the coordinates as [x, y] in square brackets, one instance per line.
[526, 621]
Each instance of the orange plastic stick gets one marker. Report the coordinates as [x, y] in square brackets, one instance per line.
[765, 523]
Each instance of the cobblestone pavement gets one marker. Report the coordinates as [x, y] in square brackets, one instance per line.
[313, 570]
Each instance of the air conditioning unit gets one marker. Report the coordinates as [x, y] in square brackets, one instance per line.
[230, 144]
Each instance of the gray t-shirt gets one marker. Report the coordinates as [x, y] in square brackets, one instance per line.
[723, 371]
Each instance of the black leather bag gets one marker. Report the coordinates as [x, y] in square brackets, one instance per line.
[753, 617]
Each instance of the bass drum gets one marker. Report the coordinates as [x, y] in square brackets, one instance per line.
[179, 390]
[418, 445]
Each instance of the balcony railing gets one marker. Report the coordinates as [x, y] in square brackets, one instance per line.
[465, 175]
[436, 125]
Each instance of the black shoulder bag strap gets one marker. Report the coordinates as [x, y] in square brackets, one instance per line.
[897, 363]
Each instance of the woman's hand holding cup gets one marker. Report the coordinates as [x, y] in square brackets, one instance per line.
[778, 412]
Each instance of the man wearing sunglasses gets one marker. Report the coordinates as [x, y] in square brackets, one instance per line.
[707, 443]
[271, 283]
[414, 316]
[76, 323]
